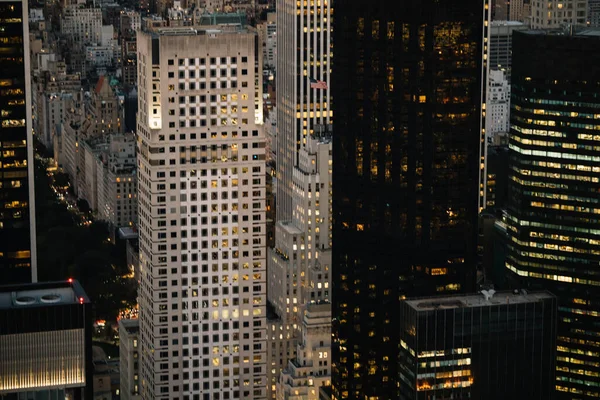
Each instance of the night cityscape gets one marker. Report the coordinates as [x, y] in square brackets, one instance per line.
[285, 200]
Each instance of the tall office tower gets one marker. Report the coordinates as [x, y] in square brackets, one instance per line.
[304, 52]
[303, 168]
[557, 13]
[478, 346]
[201, 213]
[554, 171]
[17, 200]
[45, 341]
[129, 356]
[500, 47]
[408, 89]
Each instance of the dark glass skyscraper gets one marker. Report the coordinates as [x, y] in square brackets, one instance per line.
[17, 216]
[478, 347]
[554, 179]
[407, 85]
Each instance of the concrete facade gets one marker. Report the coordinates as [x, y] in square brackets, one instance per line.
[202, 213]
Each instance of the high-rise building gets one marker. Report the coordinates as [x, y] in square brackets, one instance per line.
[45, 341]
[301, 256]
[129, 357]
[201, 216]
[298, 265]
[478, 346]
[500, 47]
[554, 172]
[408, 156]
[558, 13]
[304, 51]
[17, 204]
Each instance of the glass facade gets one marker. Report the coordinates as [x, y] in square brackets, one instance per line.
[17, 221]
[470, 347]
[45, 341]
[553, 204]
[407, 90]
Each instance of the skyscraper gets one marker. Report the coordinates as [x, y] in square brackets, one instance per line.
[303, 52]
[201, 213]
[408, 159]
[17, 208]
[299, 264]
[478, 346]
[554, 173]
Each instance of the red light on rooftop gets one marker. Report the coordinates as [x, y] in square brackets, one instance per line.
[70, 280]
[81, 300]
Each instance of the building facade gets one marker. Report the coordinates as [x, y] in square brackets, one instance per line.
[107, 178]
[45, 341]
[299, 265]
[82, 25]
[500, 49]
[498, 104]
[408, 89]
[17, 204]
[267, 31]
[129, 356]
[304, 53]
[303, 168]
[552, 14]
[311, 370]
[594, 13]
[552, 211]
[520, 10]
[201, 213]
[479, 346]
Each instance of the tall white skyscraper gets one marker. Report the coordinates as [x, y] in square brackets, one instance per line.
[201, 214]
[299, 264]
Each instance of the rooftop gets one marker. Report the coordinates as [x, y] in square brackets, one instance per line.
[507, 23]
[42, 294]
[132, 326]
[482, 299]
[576, 32]
[128, 233]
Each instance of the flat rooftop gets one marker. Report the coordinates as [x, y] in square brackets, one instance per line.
[578, 32]
[205, 27]
[42, 294]
[130, 325]
[507, 23]
[477, 300]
